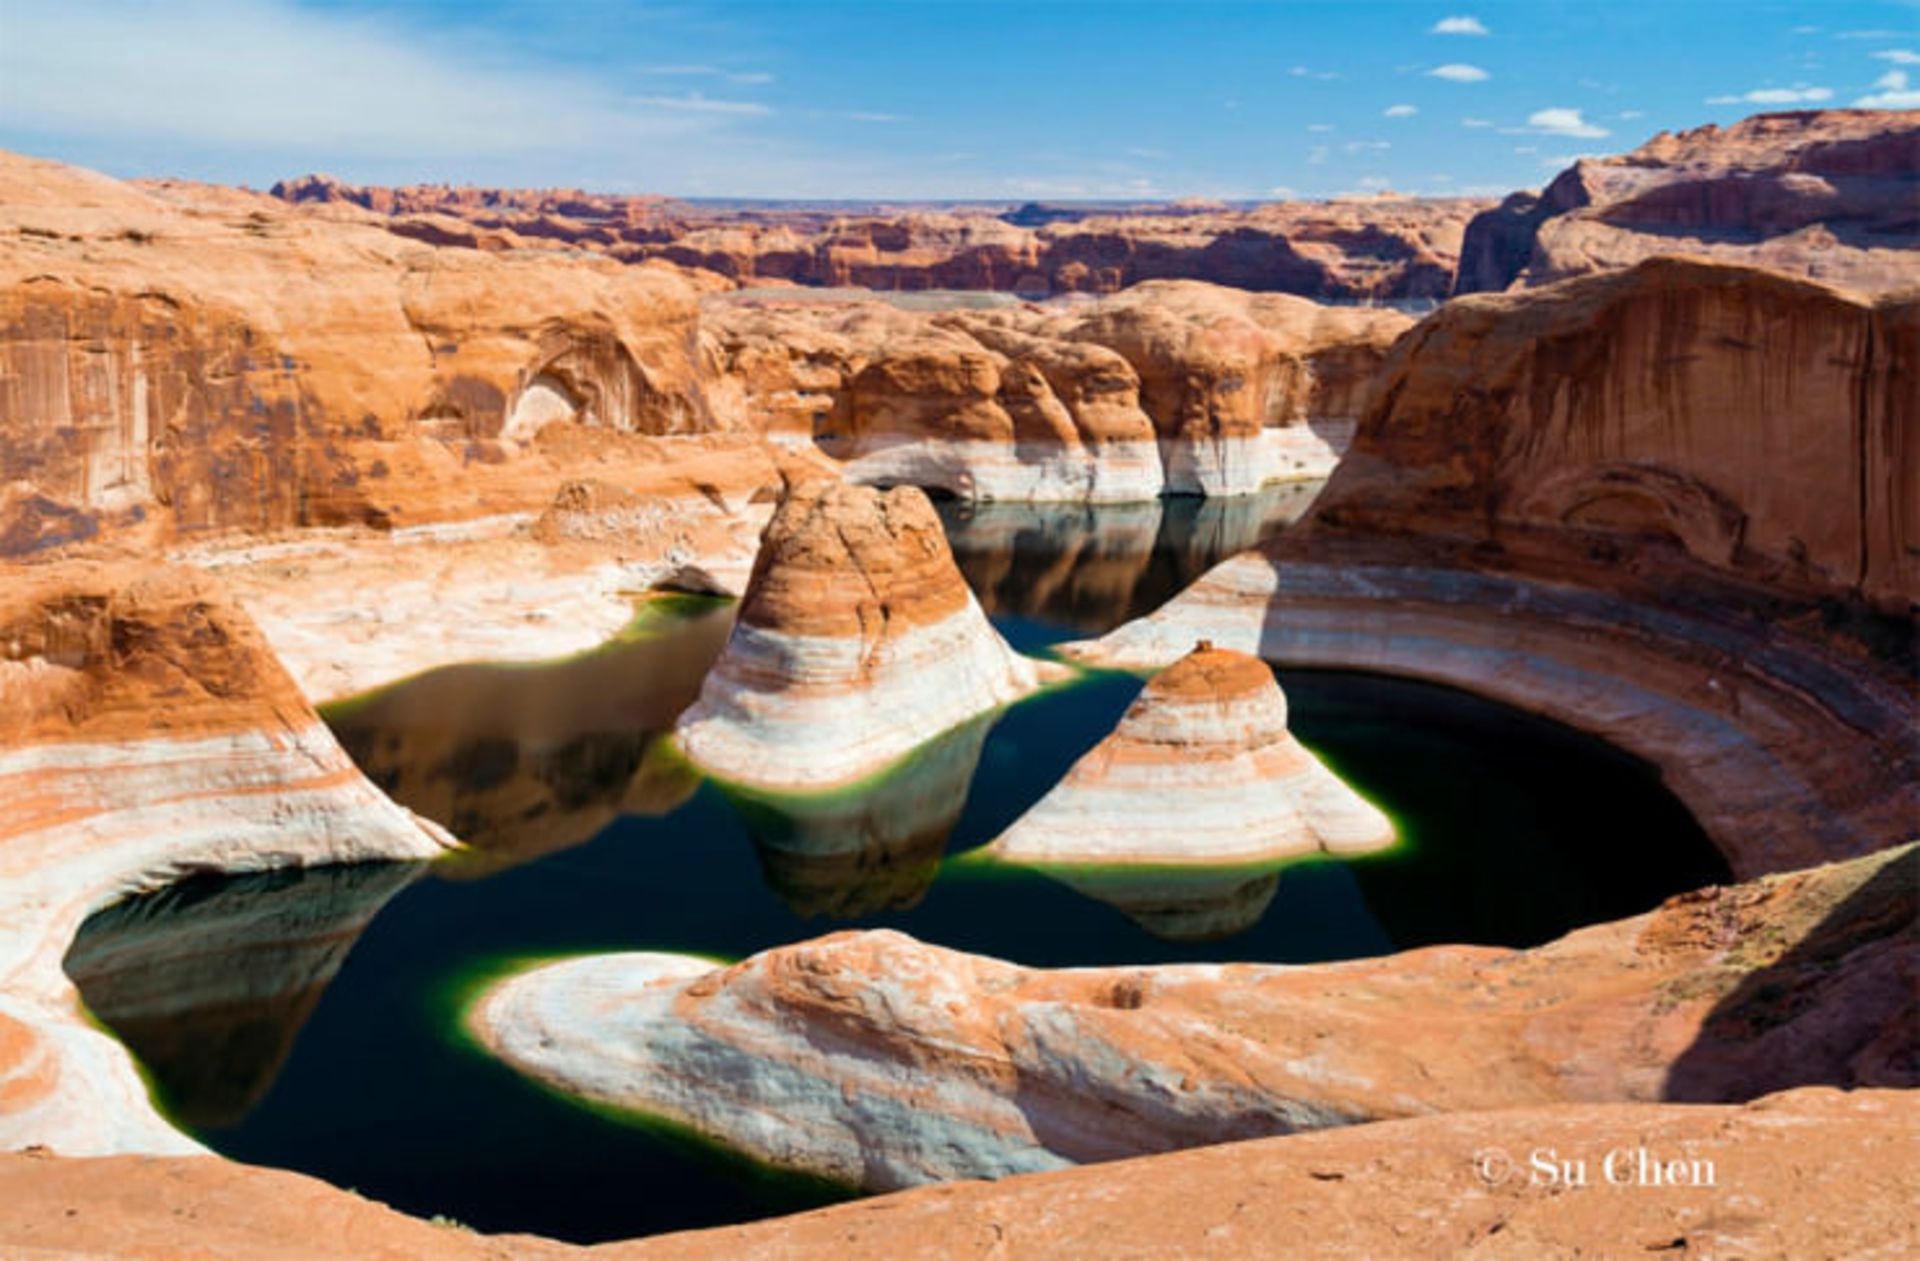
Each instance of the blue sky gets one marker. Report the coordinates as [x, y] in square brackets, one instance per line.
[919, 98]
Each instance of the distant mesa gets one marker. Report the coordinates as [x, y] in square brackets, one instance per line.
[1201, 771]
[857, 642]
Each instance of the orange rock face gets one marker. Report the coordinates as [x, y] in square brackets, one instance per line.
[197, 360]
[1826, 194]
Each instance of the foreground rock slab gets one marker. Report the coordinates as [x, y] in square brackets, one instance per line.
[146, 733]
[1804, 1173]
[857, 642]
[1201, 769]
[883, 1062]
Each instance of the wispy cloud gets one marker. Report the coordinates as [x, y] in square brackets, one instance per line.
[1459, 26]
[264, 76]
[1399, 111]
[1628, 115]
[1476, 122]
[1308, 72]
[1898, 56]
[1798, 94]
[873, 116]
[1895, 93]
[1320, 127]
[1367, 146]
[744, 77]
[1876, 33]
[1561, 121]
[1459, 72]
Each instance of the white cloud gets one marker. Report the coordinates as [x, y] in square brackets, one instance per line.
[1798, 94]
[713, 72]
[1282, 192]
[1399, 111]
[1367, 146]
[873, 116]
[1879, 33]
[1560, 121]
[1806, 30]
[1319, 126]
[1304, 72]
[1476, 122]
[1898, 56]
[1375, 183]
[1459, 72]
[1458, 26]
[265, 77]
[1317, 155]
[1628, 115]
[1894, 93]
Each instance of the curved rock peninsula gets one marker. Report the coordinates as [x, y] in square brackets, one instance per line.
[856, 643]
[146, 733]
[882, 1062]
[1201, 771]
[1673, 506]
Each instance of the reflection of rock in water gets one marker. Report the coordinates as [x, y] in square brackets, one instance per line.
[871, 847]
[1177, 905]
[209, 981]
[1092, 567]
[521, 761]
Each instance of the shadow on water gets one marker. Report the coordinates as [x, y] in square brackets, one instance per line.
[588, 837]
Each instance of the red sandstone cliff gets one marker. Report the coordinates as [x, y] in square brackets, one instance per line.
[1833, 195]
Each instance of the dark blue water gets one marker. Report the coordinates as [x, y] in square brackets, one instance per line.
[311, 1020]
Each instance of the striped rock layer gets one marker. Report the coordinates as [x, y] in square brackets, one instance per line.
[146, 733]
[857, 642]
[884, 1062]
[1201, 769]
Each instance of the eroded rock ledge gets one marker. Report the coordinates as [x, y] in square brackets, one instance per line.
[146, 733]
[883, 1062]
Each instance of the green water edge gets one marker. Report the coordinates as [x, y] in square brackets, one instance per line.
[453, 1005]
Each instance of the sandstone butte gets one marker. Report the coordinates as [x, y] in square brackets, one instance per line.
[1814, 1169]
[1677, 506]
[1379, 248]
[882, 1062]
[857, 641]
[1201, 770]
[146, 733]
[1825, 194]
[1171, 386]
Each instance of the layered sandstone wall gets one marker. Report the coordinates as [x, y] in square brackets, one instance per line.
[1675, 506]
[205, 361]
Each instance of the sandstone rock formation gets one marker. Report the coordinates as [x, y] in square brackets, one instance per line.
[1812, 1170]
[184, 362]
[1201, 771]
[1356, 248]
[882, 1062]
[857, 642]
[1676, 506]
[1174, 386]
[146, 733]
[1825, 194]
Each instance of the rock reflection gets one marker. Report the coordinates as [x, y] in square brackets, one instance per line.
[1091, 567]
[873, 847]
[209, 981]
[1181, 905]
[522, 761]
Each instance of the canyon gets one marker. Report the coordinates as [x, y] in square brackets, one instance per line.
[1654, 474]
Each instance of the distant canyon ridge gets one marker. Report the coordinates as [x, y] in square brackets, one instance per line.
[1833, 195]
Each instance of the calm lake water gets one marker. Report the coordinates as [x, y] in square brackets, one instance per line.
[311, 1020]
